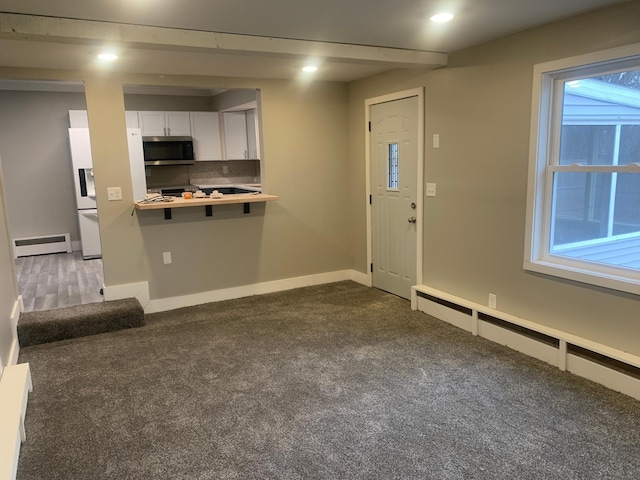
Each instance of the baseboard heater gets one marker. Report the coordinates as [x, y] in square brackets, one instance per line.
[24, 247]
[613, 368]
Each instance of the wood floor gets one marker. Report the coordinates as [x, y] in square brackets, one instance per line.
[58, 280]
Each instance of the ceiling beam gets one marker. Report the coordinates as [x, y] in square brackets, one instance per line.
[65, 30]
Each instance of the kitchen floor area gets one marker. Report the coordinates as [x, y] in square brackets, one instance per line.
[58, 280]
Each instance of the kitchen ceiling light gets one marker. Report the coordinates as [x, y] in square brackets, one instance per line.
[107, 57]
[309, 68]
[442, 17]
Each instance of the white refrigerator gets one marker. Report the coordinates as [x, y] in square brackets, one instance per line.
[85, 187]
[85, 192]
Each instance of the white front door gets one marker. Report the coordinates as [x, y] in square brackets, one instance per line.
[394, 183]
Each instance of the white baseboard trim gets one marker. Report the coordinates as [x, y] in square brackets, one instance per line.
[361, 278]
[138, 290]
[15, 345]
[171, 303]
[539, 341]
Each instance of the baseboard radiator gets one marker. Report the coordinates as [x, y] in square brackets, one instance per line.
[610, 367]
[24, 247]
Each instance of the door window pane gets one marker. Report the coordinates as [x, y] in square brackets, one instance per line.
[393, 166]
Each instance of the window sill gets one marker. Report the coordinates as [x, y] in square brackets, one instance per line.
[600, 279]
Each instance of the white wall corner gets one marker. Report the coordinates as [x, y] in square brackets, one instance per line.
[18, 307]
[139, 290]
[414, 298]
[359, 277]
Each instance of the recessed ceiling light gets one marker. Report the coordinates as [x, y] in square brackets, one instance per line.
[309, 68]
[442, 17]
[107, 56]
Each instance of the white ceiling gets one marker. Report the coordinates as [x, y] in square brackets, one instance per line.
[401, 25]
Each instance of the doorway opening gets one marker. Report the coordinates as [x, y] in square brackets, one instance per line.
[395, 178]
[41, 198]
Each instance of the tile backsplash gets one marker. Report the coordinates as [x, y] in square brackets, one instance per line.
[237, 171]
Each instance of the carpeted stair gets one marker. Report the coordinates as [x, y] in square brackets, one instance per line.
[79, 321]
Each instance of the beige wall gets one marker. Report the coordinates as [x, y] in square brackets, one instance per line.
[474, 229]
[233, 98]
[36, 162]
[169, 103]
[305, 232]
[314, 159]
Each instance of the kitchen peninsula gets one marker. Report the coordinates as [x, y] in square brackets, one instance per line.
[168, 203]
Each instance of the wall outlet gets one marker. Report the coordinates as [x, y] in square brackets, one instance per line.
[492, 300]
[114, 193]
[225, 169]
[436, 140]
[431, 189]
[166, 258]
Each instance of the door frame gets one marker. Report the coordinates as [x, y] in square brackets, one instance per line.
[368, 103]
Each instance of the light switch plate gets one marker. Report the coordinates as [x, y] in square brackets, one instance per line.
[431, 189]
[436, 140]
[166, 257]
[114, 193]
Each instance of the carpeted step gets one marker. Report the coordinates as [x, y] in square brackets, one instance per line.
[79, 321]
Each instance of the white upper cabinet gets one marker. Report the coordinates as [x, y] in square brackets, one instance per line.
[205, 130]
[235, 135]
[253, 141]
[178, 124]
[132, 119]
[164, 124]
[152, 124]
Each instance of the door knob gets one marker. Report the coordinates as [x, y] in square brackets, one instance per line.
[412, 219]
[413, 205]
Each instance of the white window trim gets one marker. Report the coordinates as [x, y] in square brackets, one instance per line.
[536, 256]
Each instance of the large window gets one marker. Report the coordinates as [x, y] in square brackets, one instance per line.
[584, 195]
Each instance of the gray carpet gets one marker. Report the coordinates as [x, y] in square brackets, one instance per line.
[336, 381]
[79, 321]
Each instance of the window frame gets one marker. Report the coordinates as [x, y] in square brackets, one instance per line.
[544, 151]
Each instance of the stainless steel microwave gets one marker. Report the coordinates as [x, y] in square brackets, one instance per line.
[167, 151]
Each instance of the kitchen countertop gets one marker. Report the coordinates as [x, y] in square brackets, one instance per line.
[178, 202]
